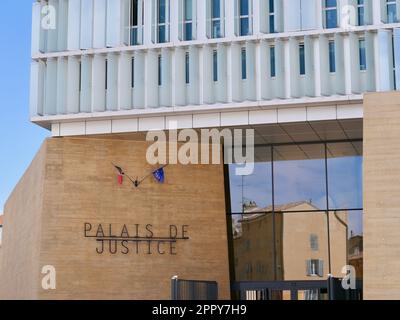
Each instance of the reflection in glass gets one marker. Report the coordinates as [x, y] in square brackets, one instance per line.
[299, 175]
[347, 246]
[302, 244]
[253, 247]
[255, 190]
[345, 175]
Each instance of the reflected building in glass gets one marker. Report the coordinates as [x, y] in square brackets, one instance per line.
[299, 216]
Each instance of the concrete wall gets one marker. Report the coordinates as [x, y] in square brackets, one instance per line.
[79, 185]
[381, 196]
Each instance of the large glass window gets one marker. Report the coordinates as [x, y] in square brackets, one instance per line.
[391, 10]
[330, 14]
[299, 215]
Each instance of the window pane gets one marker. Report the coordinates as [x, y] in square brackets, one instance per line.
[244, 66]
[159, 70]
[134, 13]
[330, 3]
[299, 176]
[188, 10]
[272, 24]
[332, 62]
[361, 16]
[346, 229]
[216, 9]
[331, 19]
[244, 7]
[272, 61]
[253, 247]
[244, 26]
[345, 175]
[255, 190]
[161, 34]
[161, 11]
[363, 55]
[302, 59]
[215, 65]
[216, 33]
[391, 13]
[188, 31]
[187, 75]
[271, 6]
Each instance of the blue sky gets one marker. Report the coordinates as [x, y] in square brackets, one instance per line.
[19, 139]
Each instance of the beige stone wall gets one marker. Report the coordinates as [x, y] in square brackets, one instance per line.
[382, 196]
[20, 249]
[80, 186]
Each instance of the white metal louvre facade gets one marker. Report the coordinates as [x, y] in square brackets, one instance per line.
[150, 60]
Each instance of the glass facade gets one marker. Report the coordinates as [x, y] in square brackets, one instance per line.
[299, 215]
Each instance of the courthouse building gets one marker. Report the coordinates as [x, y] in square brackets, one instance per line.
[315, 79]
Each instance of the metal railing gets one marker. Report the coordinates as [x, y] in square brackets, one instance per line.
[193, 289]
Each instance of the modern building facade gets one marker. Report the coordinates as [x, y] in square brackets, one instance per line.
[310, 77]
[136, 65]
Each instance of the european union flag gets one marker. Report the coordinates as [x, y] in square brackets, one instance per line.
[159, 175]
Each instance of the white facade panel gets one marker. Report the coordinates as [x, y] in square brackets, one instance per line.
[86, 16]
[62, 69]
[124, 125]
[74, 22]
[114, 22]
[73, 86]
[99, 23]
[99, 83]
[72, 129]
[36, 26]
[85, 83]
[98, 127]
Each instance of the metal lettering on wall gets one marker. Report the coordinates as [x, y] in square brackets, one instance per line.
[136, 238]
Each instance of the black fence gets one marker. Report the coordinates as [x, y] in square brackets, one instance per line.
[295, 290]
[193, 290]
